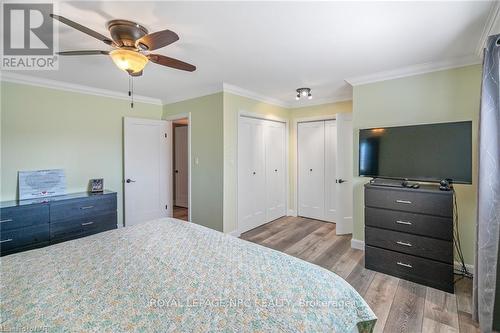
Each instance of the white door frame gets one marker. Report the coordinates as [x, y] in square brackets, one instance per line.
[295, 142]
[242, 113]
[174, 117]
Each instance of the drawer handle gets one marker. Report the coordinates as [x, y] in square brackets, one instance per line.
[6, 240]
[404, 243]
[408, 202]
[87, 223]
[87, 207]
[6, 220]
[403, 222]
[404, 265]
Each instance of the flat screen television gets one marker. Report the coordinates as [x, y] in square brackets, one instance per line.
[430, 152]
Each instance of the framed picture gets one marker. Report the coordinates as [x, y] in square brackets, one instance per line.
[96, 185]
[41, 183]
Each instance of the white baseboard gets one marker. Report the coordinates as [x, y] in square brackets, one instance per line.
[458, 266]
[358, 244]
[234, 233]
[292, 212]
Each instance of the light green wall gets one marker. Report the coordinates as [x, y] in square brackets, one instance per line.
[207, 150]
[44, 128]
[233, 104]
[321, 110]
[444, 96]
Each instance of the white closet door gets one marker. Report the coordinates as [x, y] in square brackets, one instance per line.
[330, 170]
[311, 169]
[251, 174]
[274, 138]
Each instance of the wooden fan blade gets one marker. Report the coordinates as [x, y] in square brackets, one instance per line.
[82, 28]
[171, 62]
[84, 52]
[156, 40]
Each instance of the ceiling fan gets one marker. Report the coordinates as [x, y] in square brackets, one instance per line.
[131, 44]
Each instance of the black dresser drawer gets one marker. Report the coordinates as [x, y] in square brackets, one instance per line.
[424, 271]
[81, 208]
[21, 238]
[70, 229]
[423, 202]
[419, 224]
[23, 216]
[426, 247]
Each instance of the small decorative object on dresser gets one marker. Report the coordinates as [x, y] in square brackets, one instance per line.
[409, 233]
[29, 224]
[96, 185]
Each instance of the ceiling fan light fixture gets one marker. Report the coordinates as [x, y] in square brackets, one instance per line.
[128, 60]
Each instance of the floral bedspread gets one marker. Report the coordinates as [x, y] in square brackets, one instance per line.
[172, 276]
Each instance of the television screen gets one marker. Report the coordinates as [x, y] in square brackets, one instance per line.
[429, 152]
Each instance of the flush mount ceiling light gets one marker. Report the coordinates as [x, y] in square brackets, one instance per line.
[303, 92]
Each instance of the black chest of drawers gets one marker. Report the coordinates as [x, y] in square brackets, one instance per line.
[409, 234]
[30, 224]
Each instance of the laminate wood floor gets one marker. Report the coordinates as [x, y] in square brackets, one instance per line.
[400, 305]
[181, 213]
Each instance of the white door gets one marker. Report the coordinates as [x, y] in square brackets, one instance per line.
[311, 169]
[344, 173]
[147, 169]
[251, 174]
[331, 170]
[181, 165]
[275, 141]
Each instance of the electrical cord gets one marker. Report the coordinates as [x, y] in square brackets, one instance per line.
[462, 271]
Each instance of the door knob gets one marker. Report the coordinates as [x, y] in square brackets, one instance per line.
[176, 171]
[254, 172]
[340, 181]
[310, 169]
[275, 170]
[130, 181]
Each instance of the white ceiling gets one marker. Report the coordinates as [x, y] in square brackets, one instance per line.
[272, 48]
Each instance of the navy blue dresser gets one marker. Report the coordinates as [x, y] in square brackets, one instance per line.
[30, 224]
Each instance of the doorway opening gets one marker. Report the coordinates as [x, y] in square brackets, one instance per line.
[180, 175]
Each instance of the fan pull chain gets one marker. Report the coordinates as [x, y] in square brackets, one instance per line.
[131, 90]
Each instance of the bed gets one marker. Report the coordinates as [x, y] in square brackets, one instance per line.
[172, 276]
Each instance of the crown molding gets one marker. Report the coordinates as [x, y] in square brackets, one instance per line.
[321, 101]
[253, 95]
[414, 70]
[491, 27]
[72, 87]
[288, 105]
[205, 91]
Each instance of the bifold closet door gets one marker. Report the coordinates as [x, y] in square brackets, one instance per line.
[274, 138]
[311, 169]
[251, 174]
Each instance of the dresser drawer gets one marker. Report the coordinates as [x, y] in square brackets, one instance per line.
[426, 247]
[23, 216]
[430, 203]
[80, 208]
[70, 229]
[424, 271]
[420, 224]
[19, 238]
